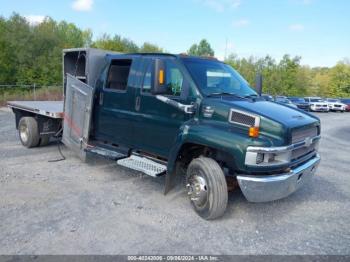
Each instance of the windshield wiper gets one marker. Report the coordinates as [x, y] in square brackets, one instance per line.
[251, 96]
[225, 94]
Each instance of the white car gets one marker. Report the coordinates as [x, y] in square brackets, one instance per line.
[317, 104]
[335, 105]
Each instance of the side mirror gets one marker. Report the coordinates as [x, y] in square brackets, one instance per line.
[159, 86]
[258, 83]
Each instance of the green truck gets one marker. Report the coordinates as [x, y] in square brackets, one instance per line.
[178, 116]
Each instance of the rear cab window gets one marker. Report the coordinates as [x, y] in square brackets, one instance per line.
[118, 74]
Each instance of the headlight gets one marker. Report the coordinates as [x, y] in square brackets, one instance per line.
[267, 159]
[273, 156]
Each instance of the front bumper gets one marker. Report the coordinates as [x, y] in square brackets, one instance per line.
[319, 109]
[337, 109]
[303, 106]
[269, 188]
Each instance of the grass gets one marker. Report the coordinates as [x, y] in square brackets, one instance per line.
[51, 93]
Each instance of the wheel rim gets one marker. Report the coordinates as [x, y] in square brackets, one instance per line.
[197, 189]
[23, 132]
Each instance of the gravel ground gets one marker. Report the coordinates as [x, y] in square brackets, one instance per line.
[70, 207]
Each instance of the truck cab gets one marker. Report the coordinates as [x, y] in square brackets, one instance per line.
[201, 118]
[192, 117]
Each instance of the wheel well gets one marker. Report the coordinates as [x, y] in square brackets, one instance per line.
[191, 151]
[45, 124]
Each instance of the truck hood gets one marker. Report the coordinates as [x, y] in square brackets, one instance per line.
[287, 116]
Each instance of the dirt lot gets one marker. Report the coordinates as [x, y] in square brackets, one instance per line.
[70, 207]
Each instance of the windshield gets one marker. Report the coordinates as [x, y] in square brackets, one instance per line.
[333, 100]
[282, 100]
[297, 100]
[346, 101]
[316, 100]
[214, 77]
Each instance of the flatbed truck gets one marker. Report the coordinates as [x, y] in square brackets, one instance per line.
[165, 114]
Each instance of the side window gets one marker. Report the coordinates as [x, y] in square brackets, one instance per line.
[118, 74]
[147, 79]
[174, 79]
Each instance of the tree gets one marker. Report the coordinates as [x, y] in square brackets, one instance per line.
[150, 48]
[33, 54]
[116, 43]
[340, 79]
[202, 49]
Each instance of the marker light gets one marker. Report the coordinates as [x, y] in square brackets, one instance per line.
[254, 131]
[161, 77]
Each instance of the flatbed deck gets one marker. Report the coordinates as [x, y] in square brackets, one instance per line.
[53, 109]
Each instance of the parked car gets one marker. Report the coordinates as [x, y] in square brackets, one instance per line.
[335, 105]
[317, 104]
[346, 101]
[299, 102]
[283, 100]
[267, 97]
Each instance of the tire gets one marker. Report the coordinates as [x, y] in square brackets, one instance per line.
[28, 132]
[207, 188]
[44, 140]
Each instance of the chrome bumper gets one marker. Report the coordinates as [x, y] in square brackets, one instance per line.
[269, 188]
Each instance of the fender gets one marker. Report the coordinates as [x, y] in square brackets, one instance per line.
[214, 136]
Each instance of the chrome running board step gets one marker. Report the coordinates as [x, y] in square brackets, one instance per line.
[143, 164]
[107, 153]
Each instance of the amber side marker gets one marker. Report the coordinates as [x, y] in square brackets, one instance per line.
[254, 131]
[161, 77]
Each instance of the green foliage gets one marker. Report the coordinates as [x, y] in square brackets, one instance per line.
[33, 54]
[150, 48]
[124, 45]
[340, 79]
[202, 49]
[116, 43]
[289, 77]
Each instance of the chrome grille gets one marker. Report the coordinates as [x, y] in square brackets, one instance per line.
[297, 153]
[242, 118]
[300, 135]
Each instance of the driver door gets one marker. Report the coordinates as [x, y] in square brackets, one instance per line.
[158, 123]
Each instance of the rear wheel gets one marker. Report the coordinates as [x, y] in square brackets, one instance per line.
[28, 132]
[207, 188]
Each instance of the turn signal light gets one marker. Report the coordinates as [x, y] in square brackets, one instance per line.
[254, 131]
[161, 77]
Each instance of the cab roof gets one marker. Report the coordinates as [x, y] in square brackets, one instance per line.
[158, 55]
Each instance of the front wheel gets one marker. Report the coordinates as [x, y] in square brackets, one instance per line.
[207, 188]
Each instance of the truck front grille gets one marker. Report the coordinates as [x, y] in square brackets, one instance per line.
[300, 135]
[297, 153]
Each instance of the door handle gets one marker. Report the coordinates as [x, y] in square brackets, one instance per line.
[188, 109]
[137, 103]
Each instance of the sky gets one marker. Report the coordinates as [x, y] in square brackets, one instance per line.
[316, 30]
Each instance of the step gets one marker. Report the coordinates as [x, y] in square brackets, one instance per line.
[107, 153]
[143, 164]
